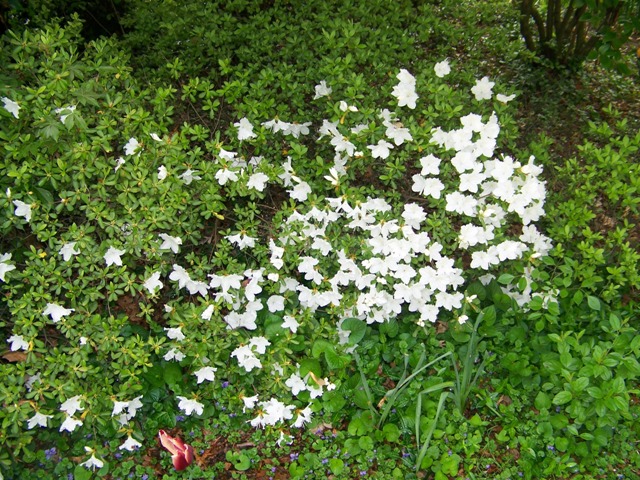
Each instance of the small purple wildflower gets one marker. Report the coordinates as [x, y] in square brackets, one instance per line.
[293, 457]
[49, 454]
[225, 384]
[180, 418]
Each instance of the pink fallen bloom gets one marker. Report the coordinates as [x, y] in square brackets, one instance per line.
[181, 454]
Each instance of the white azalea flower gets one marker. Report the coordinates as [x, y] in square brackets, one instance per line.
[70, 424]
[18, 343]
[131, 147]
[72, 405]
[442, 68]
[153, 282]
[112, 257]
[206, 315]
[93, 462]
[189, 176]
[482, 89]
[57, 311]
[205, 373]
[188, 406]
[175, 333]
[22, 210]
[322, 90]
[12, 107]
[130, 444]
[38, 419]
[119, 162]
[258, 181]
[245, 129]
[174, 354]
[381, 150]
[68, 250]
[170, 243]
[4, 266]
[505, 98]
[405, 91]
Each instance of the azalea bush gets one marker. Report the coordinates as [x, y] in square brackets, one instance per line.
[153, 270]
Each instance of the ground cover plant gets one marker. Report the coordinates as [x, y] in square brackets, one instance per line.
[227, 256]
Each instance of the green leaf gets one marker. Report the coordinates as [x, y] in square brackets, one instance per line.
[45, 196]
[298, 343]
[333, 401]
[614, 321]
[580, 384]
[476, 288]
[273, 326]
[489, 315]
[559, 421]
[51, 131]
[562, 444]
[562, 398]
[578, 297]
[335, 361]
[172, 374]
[310, 365]
[542, 401]
[593, 302]
[336, 465]
[154, 375]
[156, 394]
[361, 399]
[242, 462]
[82, 473]
[366, 443]
[476, 421]
[390, 328]
[391, 432]
[166, 420]
[320, 346]
[357, 329]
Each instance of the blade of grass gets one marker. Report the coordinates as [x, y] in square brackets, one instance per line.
[393, 394]
[365, 386]
[427, 441]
